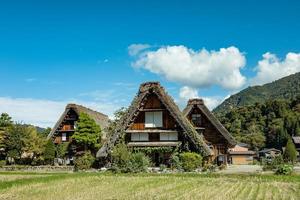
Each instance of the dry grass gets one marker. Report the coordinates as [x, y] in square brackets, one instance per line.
[145, 186]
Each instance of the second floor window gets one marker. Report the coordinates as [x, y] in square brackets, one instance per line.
[64, 137]
[196, 119]
[153, 119]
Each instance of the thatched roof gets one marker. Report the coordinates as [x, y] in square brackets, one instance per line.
[137, 104]
[101, 119]
[215, 122]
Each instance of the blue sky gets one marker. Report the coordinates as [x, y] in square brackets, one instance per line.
[54, 52]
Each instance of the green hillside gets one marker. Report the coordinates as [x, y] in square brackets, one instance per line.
[285, 88]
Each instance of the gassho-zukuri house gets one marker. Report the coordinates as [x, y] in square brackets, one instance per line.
[65, 126]
[154, 124]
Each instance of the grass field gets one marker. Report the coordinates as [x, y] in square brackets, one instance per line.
[33, 186]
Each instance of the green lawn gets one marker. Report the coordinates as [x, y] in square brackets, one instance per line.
[46, 186]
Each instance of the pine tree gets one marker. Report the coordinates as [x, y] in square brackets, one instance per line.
[87, 133]
[290, 153]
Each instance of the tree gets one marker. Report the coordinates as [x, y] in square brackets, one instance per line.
[24, 139]
[15, 141]
[5, 124]
[255, 140]
[62, 149]
[290, 153]
[46, 132]
[34, 143]
[49, 152]
[118, 116]
[5, 120]
[87, 133]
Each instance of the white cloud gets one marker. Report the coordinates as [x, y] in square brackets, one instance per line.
[135, 49]
[271, 68]
[187, 93]
[197, 69]
[45, 113]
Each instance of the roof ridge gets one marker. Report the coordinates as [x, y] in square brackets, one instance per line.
[71, 105]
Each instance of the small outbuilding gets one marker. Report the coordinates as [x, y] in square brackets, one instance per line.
[269, 154]
[241, 155]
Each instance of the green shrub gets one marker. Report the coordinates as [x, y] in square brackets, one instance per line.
[62, 150]
[256, 162]
[209, 168]
[138, 162]
[49, 152]
[190, 161]
[125, 161]
[2, 163]
[175, 162]
[284, 169]
[162, 167]
[276, 161]
[85, 161]
[120, 158]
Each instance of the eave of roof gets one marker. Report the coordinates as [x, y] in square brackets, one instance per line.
[144, 90]
[100, 118]
[216, 123]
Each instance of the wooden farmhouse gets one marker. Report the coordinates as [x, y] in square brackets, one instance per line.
[154, 122]
[210, 128]
[65, 126]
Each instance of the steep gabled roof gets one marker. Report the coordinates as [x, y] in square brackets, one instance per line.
[101, 119]
[137, 104]
[215, 122]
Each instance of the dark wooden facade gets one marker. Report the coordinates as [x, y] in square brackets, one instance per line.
[66, 128]
[155, 139]
[207, 128]
[155, 123]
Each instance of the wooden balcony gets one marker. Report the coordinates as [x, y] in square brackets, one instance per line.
[153, 144]
[151, 131]
[67, 128]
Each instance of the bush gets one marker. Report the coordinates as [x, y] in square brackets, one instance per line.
[162, 167]
[85, 161]
[175, 162]
[209, 168]
[120, 158]
[138, 162]
[49, 152]
[190, 161]
[2, 163]
[276, 161]
[62, 150]
[284, 169]
[125, 161]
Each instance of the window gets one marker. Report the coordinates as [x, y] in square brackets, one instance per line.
[139, 137]
[153, 119]
[196, 119]
[169, 136]
[64, 137]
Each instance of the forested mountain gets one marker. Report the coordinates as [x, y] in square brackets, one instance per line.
[268, 124]
[285, 88]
